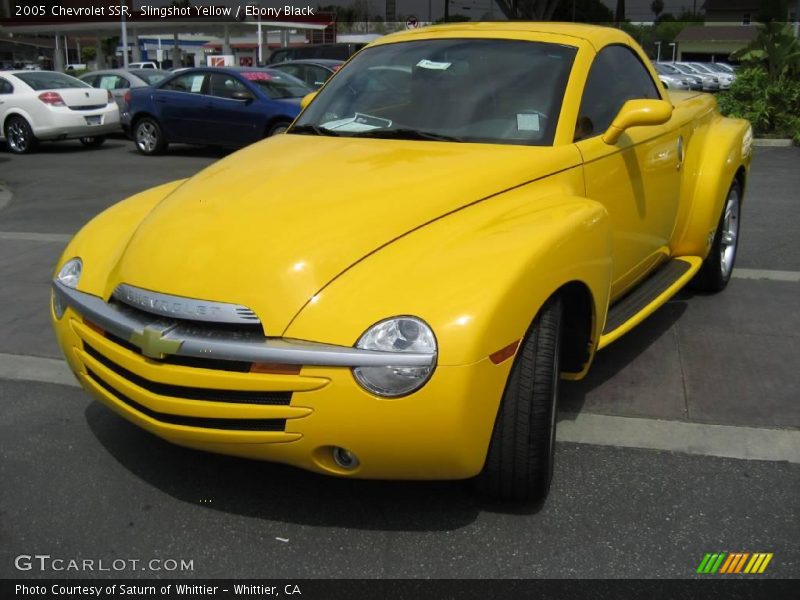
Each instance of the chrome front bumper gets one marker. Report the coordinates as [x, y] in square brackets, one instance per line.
[157, 336]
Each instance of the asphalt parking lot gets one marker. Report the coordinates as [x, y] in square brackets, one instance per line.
[683, 440]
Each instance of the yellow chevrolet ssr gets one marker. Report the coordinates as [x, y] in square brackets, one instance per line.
[462, 216]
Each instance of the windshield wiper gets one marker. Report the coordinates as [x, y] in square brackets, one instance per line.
[407, 134]
[312, 130]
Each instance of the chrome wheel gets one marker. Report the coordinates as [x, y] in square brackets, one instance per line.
[730, 233]
[19, 136]
[147, 137]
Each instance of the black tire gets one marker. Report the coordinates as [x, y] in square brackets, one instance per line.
[19, 135]
[149, 137]
[278, 127]
[519, 464]
[716, 271]
[94, 141]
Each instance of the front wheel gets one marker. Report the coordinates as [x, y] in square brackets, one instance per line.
[148, 137]
[19, 135]
[519, 464]
[716, 271]
[93, 142]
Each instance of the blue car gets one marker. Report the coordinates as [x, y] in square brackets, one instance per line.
[212, 106]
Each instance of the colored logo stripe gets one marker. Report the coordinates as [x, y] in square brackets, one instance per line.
[734, 562]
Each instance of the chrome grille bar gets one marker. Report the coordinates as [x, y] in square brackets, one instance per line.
[158, 336]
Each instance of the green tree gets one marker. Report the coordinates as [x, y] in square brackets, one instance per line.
[528, 10]
[775, 49]
[657, 6]
[585, 11]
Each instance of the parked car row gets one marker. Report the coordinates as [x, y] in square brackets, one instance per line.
[227, 107]
[708, 77]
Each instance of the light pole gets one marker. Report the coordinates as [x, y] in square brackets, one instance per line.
[658, 52]
[674, 48]
[122, 10]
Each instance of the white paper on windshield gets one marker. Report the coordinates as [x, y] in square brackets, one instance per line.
[527, 122]
[429, 64]
[357, 123]
[197, 84]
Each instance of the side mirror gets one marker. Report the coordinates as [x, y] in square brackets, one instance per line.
[242, 95]
[637, 113]
[307, 100]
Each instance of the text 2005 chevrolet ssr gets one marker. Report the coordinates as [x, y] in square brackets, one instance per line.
[462, 216]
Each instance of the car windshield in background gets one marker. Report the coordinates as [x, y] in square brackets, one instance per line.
[277, 85]
[150, 76]
[471, 90]
[47, 80]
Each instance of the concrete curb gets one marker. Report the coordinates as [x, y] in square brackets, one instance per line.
[773, 142]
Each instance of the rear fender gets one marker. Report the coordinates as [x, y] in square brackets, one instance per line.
[726, 151]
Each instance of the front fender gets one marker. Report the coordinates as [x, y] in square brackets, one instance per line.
[726, 150]
[101, 242]
[477, 277]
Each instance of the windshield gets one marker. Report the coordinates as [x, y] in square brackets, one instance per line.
[470, 90]
[50, 80]
[151, 76]
[277, 85]
[666, 69]
[701, 68]
[686, 69]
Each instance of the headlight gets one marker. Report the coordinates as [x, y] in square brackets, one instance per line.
[69, 276]
[398, 334]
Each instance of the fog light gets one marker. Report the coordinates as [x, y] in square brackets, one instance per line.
[344, 458]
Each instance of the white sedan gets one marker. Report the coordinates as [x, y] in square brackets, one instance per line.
[46, 105]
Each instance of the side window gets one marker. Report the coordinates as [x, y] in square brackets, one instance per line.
[191, 82]
[316, 76]
[6, 87]
[91, 80]
[112, 82]
[617, 75]
[224, 86]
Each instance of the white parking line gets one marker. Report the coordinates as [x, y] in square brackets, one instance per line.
[34, 368]
[29, 236]
[748, 443]
[792, 276]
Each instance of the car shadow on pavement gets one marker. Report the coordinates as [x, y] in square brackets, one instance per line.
[189, 151]
[611, 360]
[281, 493]
[70, 147]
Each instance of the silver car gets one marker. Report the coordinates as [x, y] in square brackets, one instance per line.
[710, 81]
[673, 79]
[724, 80]
[720, 70]
[119, 81]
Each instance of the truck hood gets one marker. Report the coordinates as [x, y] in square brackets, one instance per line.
[269, 226]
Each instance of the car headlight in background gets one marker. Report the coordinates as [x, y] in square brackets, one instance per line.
[69, 275]
[398, 334]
